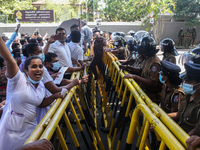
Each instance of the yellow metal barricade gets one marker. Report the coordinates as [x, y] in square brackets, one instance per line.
[50, 124]
[166, 130]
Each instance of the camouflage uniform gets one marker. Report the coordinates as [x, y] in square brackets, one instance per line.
[187, 38]
[180, 37]
[194, 35]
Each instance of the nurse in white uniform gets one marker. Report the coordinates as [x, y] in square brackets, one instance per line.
[25, 92]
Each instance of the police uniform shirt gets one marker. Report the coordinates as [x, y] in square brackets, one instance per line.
[122, 53]
[150, 70]
[169, 57]
[171, 98]
[189, 113]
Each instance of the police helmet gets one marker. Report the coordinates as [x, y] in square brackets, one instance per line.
[168, 45]
[138, 35]
[190, 56]
[119, 39]
[131, 32]
[132, 45]
[147, 46]
[128, 37]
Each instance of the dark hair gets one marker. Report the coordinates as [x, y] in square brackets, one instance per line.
[48, 56]
[28, 61]
[24, 51]
[39, 39]
[16, 52]
[75, 36]
[31, 48]
[33, 41]
[60, 29]
[27, 38]
[22, 34]
[1, 62]
[22, 41]
[14, 45]
[73, 26]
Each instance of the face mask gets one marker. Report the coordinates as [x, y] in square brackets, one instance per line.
[137, 56]
[22, 56]
[160, 78]
[42, 56]
[133, 56]
[56, 66]
[188, 88]
[33, 81]
[116, 43]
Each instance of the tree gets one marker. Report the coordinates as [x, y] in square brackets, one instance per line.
[119, 10]
[62, 12]
[188, 10]
[159, 7]
[89, 9]
[8, 7]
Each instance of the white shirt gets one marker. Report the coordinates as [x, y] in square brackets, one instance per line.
[76, 51]
[19, 115]
[63, 52]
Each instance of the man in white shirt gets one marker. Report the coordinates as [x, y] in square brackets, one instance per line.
[76, 50]
[60, 48]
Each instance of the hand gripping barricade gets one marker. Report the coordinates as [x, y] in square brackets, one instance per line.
[114, 89]
[49, 127]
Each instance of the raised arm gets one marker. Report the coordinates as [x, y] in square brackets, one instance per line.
[51, 40]
[12, 67]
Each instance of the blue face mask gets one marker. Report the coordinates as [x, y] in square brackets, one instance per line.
[116, 43]
[22, 56]
[33, 81]
[137, 57]
[56, 66]
[188, 88]
[42, 56]
[160, 78]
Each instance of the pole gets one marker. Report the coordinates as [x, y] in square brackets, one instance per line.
[93, 10]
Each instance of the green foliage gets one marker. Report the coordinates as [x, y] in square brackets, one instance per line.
[62, 12]
[8, 7]
[189, 11]
[90, 9]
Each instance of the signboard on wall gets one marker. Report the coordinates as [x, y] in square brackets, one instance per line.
[34, 15]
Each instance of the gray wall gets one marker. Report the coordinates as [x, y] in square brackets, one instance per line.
[171, 29]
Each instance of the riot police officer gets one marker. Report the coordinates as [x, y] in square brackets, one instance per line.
[172, 93]
[148, 75]
[192, 55]
[167, 46]
[120, 50]
[194, 35]
[180, 37]
[131, 46]
[187, 38]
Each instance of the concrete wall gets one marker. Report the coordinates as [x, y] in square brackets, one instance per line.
[171, 29]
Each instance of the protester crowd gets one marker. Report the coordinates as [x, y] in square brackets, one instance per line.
[31, 65]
